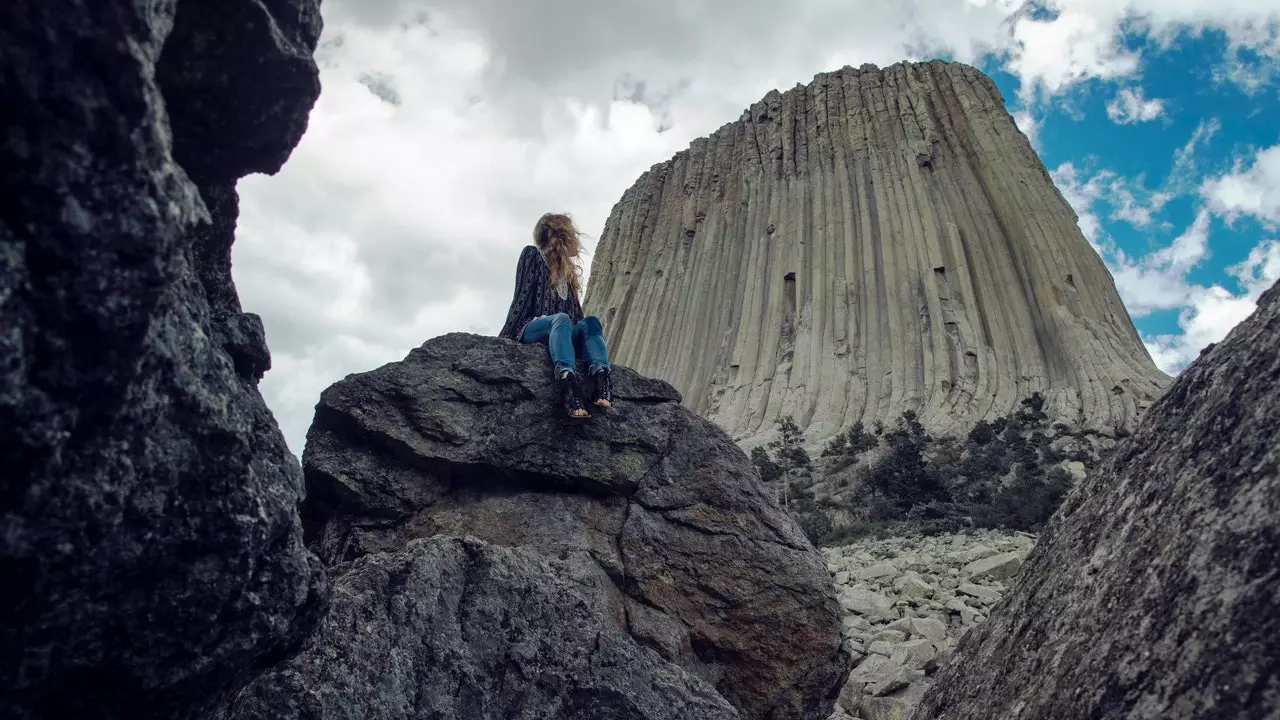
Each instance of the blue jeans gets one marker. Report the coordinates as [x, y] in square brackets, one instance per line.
[563, 337]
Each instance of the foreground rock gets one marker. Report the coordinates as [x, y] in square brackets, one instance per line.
[907, 601]
[654, 510]
[450, 628]
[151, 556]
[1154, 591]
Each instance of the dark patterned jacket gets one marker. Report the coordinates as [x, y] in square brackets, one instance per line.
[534, 296]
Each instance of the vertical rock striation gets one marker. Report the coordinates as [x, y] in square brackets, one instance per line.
[880, 240]
[493, 559]
[1155, 590]
[151, 555]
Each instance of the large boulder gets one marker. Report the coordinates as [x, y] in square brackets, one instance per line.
[151, 555]
[1155, 590]
[459, 628]
[656, 510]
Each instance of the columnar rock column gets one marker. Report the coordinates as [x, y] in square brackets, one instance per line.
[876, 241]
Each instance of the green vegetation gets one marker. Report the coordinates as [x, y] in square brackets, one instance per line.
[1003, 474]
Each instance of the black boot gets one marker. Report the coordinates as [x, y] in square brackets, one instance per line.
[571, 395]
[602, 394]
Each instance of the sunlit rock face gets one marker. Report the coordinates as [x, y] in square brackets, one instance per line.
[874, 242]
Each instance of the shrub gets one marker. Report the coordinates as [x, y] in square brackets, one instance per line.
[852, 442]
[1003, 475]
[769, 470]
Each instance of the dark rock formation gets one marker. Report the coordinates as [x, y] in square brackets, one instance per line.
[458, 628]
[1155, 590]
[654, 514]
[238, 81]
[873, 242]
[151, 555]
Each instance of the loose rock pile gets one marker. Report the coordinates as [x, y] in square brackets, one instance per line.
[907, 601]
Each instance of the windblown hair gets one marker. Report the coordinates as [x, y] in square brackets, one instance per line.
[559, 241]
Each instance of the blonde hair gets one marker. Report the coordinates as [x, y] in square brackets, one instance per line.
[559, 241]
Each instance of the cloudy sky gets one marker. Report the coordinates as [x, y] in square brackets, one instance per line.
[446, 127]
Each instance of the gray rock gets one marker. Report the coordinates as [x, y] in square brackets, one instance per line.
[915, 588]
[454, 628]
[878, 570]
[1153, 591]
[903, 626]
[151, 553]
[896, 707]
[978, 591]
[914, 654]
[996, 567]
[1077, 470]
[465, 437]
[978, 553]
[871, 668]
[881, 647]
[868, 603]
[928, 628]
[895, 679]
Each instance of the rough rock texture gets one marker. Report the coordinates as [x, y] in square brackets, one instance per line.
[454, 628]
[653, 507]
[151, 555]
[907, 600]
[880, 240]
[1154, 592]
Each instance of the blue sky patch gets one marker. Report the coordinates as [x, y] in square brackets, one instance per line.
[1143, 157]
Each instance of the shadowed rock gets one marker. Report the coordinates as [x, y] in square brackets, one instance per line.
[1155, 591]
[458, 628]
[651, 508]
[151, 556]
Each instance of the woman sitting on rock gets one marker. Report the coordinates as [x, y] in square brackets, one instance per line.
[546, 309]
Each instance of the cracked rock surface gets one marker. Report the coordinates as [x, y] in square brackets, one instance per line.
[151, 554]
[1154, 592]
[460, 628]
[649, 513]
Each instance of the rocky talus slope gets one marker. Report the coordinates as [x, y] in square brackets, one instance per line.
[1154, 592]
[495, 559]
[907, 601]
[874, 242]
[151, 554]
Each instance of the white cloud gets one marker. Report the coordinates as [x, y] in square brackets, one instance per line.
[446, 127]
[1213, 311]
[1254, 191]
[1029, 126]
[1184, 176]
[1129, 106]
[1052, 55]
[1258, 272]
[1081, 195]
[1158, 281]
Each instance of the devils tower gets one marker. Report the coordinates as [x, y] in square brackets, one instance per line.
[874, 242]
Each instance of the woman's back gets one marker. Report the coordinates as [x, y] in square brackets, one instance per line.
[535, 296]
